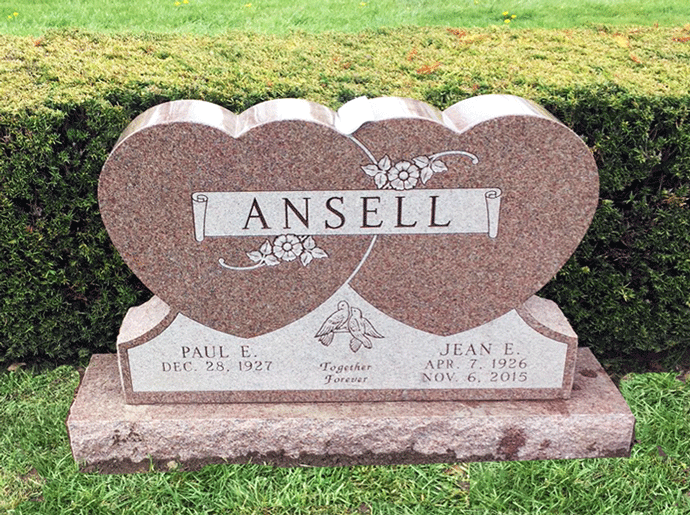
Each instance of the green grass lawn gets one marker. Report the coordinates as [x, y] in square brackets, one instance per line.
[29, 17]
[38, 474]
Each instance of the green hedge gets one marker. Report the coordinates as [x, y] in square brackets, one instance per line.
[65, 98]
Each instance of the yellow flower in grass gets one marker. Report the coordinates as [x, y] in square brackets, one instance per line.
[507, 17]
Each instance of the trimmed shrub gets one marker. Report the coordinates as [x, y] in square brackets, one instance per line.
[66, 97]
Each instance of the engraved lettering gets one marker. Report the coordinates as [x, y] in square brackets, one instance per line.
[337, 213]
[400, 215]
[304, 218]
[215, 366]
[366, 211]
[476, 364]
[434, 223]
[207, 351]
[505, 377]
[339, 369]
[443, 211]
[337, 373]
[455, 348]
[331, 379]
[438, 377]
[484, 348]
[255, 212]
[256, 366]
[177, 366]
[440, 364]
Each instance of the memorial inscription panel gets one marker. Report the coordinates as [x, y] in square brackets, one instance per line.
[388, 251]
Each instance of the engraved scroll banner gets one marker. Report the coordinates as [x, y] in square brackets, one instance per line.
[347, 212]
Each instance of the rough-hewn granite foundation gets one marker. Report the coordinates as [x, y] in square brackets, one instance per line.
[109, 436]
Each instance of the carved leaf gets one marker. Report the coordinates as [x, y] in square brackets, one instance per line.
[266, 248]
[271, 260]
[385, 163]
[309, 243]
[306, 258]
[255, 256]
[319, 253]
[426, 174]
[371, 170]
[380, 180]
[438, 166]
[421, 161]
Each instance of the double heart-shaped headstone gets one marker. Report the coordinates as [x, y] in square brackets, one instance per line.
[441, 220]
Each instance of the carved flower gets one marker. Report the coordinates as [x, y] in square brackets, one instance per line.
[403, 176]
[287, 247]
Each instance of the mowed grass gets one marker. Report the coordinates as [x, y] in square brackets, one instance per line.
[31, 18]
[38, 474]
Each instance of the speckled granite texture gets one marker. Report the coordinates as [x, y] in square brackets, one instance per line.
[442, 221]
[383, 147]
[109, 436]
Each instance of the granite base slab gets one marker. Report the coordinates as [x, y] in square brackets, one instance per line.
[109, 436]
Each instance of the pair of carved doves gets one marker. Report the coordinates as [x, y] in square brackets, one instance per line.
[348, 319]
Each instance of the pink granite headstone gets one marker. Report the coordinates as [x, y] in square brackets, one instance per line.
[387, 251]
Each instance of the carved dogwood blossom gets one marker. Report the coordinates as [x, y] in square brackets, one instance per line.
[405, 175]
[286, 247]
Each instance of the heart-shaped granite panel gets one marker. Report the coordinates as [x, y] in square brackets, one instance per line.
[440, 220]
[447, 283]
[181, 148]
